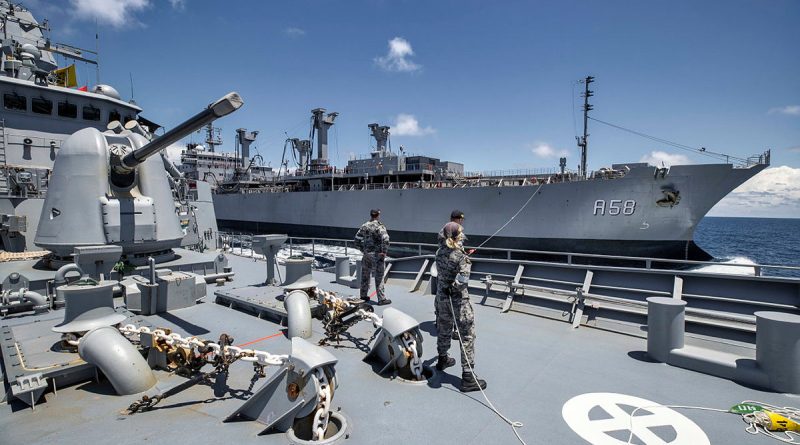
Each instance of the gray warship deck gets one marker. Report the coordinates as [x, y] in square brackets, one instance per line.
[533, 367]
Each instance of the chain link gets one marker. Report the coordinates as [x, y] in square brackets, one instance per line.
[323, 414]
[228, 352]
[410, 344]
[338, 304]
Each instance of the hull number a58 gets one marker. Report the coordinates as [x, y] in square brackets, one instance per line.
[614, 207]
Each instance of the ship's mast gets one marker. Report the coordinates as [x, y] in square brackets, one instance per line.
[582, 142]
[213, 137]
[381, 135]
[320, 125]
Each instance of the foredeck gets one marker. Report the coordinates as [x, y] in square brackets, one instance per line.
[533, 366]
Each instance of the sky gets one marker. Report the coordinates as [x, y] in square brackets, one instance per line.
[492, 84]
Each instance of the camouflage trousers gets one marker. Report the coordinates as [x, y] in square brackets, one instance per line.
[372, 263]
[464, 318]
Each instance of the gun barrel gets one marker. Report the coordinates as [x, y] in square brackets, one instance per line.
[222, 107]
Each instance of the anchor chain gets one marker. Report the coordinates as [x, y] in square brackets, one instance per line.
[338, 305]
[323, 413]
[225, 352]
[221, 354]
[410, 345]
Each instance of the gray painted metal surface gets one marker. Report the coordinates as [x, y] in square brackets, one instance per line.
[558, 211]
[612, 297]
[298, 314]
[558, 362]
[32, 135]
[665, 326]
[120, 361]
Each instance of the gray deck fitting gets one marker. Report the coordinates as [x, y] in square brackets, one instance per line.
[677, 288]
[487, 281]
[512, 290]
[666, 323]
[778, 349]
[34, 385]
[343, 275]
[386, 272]
[29, 384]
[291, 392]
[263, 304]
[418, 278]
[356, 283]
[777, 363]
[580, 300]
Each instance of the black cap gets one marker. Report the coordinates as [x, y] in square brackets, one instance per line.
[456, 214]
[374, 212]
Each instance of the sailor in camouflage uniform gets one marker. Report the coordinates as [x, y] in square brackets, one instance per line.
[373, 241]
[456, 216]
[453, 306]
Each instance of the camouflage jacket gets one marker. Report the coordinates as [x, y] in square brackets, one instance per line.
[372, 238]
[451, 262]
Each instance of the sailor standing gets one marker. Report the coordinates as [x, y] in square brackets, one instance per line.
[456, 216]
[454, 308]
[373, 241]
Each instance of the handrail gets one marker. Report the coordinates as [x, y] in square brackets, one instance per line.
[566, 257]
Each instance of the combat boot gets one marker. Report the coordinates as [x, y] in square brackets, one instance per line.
[469, 383]
[445, 362]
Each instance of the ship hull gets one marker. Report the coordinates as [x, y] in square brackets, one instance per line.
[619, 216]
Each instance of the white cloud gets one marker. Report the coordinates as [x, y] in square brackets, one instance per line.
[661, 158]
[178, 4]
[794, 149]
[117, 13]
[545, 150]
[294, 32]
[775, 192]
[791, 110]
[397, 57]
[173, 152]
[408, 125]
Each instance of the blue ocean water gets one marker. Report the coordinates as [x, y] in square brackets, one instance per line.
[773, 241]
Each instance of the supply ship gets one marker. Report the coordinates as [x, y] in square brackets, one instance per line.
[632, 209]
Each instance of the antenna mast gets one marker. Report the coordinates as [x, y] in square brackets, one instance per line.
[582, 142]
[97, 49]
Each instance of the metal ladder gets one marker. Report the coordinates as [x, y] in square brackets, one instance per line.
[3, 170]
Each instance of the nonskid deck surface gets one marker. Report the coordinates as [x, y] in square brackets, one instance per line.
[533, 367]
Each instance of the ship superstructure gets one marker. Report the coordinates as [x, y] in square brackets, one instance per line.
[42, 104]
[225, 170]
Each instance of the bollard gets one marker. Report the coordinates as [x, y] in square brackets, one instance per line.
[355, 284]
[342, 268]
[665, 326]
[298, 274]
[778, 349]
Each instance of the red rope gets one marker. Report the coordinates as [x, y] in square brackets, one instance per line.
[260, 339]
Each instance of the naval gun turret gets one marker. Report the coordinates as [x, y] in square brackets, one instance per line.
[107, 188]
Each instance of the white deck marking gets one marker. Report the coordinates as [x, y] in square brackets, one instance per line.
[576, 413]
